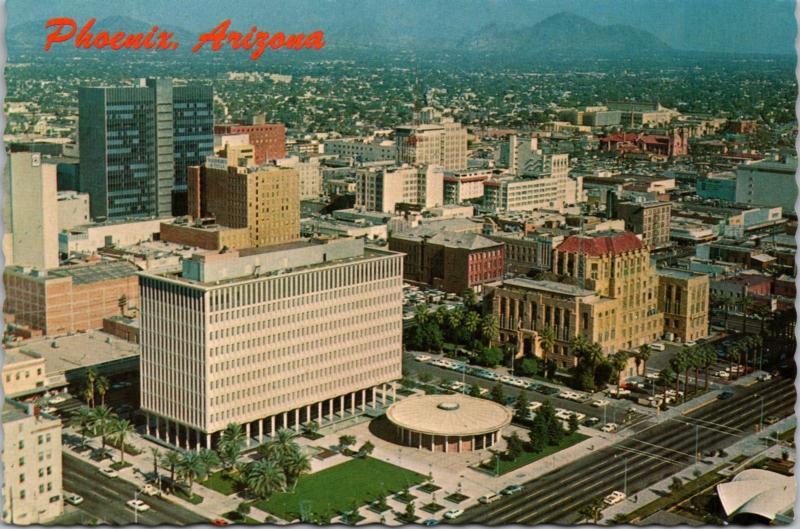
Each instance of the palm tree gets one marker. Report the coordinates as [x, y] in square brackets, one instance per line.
[678, 363]
[666, 376]
[120, 429]
[547, 341]
[688, 364]
[264, 478]
[746, 304]
[618, 362]
[171, 460]
[91, 377]
[82, 419]
[102, 420]
[279, 446]
[471, 322]
[88, 395]
[230, 445]
[294, 465]
[642, 356]
[209, 458]
[102, 386]
[232, 434]
[490, 328]
[156, 453]
[191, 467]
[421, 315]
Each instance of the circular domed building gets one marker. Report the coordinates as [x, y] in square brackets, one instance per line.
[448, 423]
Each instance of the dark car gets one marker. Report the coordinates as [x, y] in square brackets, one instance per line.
[591, 421]
[431, 521]
[511, 489]
[725, 395]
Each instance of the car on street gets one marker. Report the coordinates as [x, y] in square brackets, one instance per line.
[505, 379]
[533, 406]
[137, 505]
[609, 427]
[422, 358]
[547, 390]
[430, 521]
[600, 403]
[58, 399]
[489, 498]
[220, 521]
[591, 421]
[725, 395]
[511, 489]
[657, 346]
[452, 514]
[73, 499]
[772, 419]
[150, 490]
[614, 498]
[690, 343]
[108, 472]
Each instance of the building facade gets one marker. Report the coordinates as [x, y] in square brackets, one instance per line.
[462, 186]
[383, 188]
[768, 183]
[683, 299]
[443, 143]
[32, 486]
[651, 220]
[268, 139]
[272, 339]
[136, 143]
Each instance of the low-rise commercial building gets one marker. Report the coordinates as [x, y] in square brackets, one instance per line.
[205, 234]
[23, 373]
[683, 299]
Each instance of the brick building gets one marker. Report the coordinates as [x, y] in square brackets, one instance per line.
[268, 139]
[450, 261]
[208, 236]
[71, 298]
[683, 298]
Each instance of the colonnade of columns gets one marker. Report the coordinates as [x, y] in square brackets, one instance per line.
[444, 443]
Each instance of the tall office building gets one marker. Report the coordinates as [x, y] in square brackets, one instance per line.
[432, 139]
[136, 142]
[269, 338]
[31, 465]
[383, 188]
[265, 199]
[32, 206]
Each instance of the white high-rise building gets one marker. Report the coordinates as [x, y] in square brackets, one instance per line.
[32, 492]
[34, 211]
[768, 183]
[269, 338]
[309, 173]
[382, 189]
[433, 139]
[523, 157]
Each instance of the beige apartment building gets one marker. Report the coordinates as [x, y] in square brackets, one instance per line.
[269, 338]
[651, 220]
[23, 373]
[382, 189]
[616, 265]
[434, 140]
[683, 298]
[264, 199]
[32, 492]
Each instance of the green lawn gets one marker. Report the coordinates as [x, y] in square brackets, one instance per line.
[335, 489]
[526, 458]
[220, 482]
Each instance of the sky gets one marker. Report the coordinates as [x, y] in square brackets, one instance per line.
[735, 26]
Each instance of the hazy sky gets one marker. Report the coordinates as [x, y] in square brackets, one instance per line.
[761, 26]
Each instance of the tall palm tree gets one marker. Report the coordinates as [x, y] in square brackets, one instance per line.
[643, 354]
[746, 305]
[191, 468]
[82, 420]
[119, 430]
[547, 341]
[678, 363]
[230, 445]
[209, 458]
[91, 377]
[708, 357]
[171, 460]
[88, 395]
[232, 433]
[156, 453]
[421, 315]
[618, 362]
[592, 511]
[472, 321]
[102, 385]
[295, 465]
[667, 376]
[490, 328]
[102, 420]
[264, 478]
[279, 446]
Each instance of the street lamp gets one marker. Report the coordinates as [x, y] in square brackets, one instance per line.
[625, 476]
[136, 507]
[761, 417]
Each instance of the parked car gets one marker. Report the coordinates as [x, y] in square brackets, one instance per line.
[658, 346]
[422, 358]
[725, 395]
[150, 490]
[609, 427]
[137, 505]
[772, 419]
[591, 421]
[489, 498]
[511, 489]
[73, 499]
[601, 403]
[430, 521]
[108, 472]
[452, 514]
[614, 498]
[763, 377]
[58, 399]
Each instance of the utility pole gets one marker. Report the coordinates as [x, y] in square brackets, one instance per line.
[696, 441]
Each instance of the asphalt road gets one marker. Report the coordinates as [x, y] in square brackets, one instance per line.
[104, 498]
[615, 412]
[652, 454]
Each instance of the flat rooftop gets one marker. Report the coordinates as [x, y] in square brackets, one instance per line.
[79, 350]
[548, 286]
[82, 274]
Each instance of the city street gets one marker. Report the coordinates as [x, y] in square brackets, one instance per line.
[640, 460]
[104, 498]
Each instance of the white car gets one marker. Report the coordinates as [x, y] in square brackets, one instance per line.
[137, 505]
[614, 498]
[457, 386]
[657, 346]
[150, 490]
[691, 343]
[73, 499]
[453, 513]
[489, 498]
[723, 374]
[108, 472]
[58, 399]
[506, 379]
[438, 363]
[609, 427]
[765, 377]
[422, 358]
[600, 403]
[533, 406]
